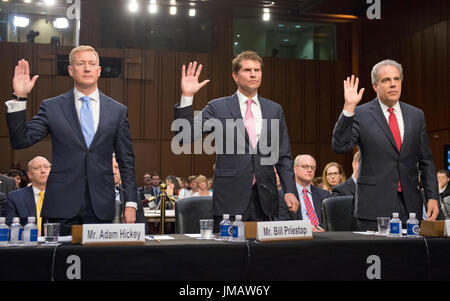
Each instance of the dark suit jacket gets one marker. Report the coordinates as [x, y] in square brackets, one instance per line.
[2, 203]
[7, 184]
[140, 217]
[20, 203]
[445, 193]
[75, 167]
[318, 195]
[382, 165]
[233, 175]
[346, 188]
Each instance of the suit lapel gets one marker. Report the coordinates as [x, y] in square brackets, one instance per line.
[235, 110]
[317, 203]
[381, 120]
[29, 201]
[407, 126]
[67, 104]
[104, 101]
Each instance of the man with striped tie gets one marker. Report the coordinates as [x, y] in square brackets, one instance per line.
[311, 197]
[26, 202]
[86, 127]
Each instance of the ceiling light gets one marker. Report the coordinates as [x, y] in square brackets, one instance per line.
[173, 10]
[192, 12]
[133, 6]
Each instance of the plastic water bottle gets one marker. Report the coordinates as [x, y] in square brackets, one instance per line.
[238, 229]
[412, 226]
[4, 232]
[30, 232]
[16, 232]
[395, 226]
[225, 228]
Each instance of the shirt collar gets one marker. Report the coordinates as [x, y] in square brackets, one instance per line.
[385, 108]
[36, 191]
[300, 188]
[95, 96]
[243, 99]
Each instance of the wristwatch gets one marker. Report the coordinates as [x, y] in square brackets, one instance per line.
[19, 98]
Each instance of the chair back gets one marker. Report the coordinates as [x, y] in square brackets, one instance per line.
[337, 213]
[189, 211]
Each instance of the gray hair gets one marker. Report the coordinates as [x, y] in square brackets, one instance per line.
[377, 67]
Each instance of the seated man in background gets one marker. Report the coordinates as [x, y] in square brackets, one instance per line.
[120, 200]
[26, 202]
[443, 177]
[349, 186]
[311, 197]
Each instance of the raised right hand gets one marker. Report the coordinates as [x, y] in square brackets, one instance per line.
[351, 95]
[22, 84]
[189, 79]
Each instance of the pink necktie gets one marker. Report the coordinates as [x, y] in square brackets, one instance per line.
[311, 214]
[250, 126]
[250, 123]
[393, 124]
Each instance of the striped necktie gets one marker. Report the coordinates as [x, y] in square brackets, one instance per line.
[311, 214]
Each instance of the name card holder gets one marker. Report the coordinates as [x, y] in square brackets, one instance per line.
[283, 230]
[109, 234]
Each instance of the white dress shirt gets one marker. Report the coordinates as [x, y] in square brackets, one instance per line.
[256, 109]
[384, 109]
[95, 105]
[36, 194]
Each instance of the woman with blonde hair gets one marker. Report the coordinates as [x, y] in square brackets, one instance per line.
[203, 186]
[333, 174]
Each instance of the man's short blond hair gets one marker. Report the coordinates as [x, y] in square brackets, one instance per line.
[82, 48]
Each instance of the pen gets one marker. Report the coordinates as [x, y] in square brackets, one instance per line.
[154, 238]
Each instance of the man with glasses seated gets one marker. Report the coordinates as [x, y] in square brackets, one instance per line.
[310, 196]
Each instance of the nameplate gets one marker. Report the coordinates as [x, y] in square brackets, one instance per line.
[283, 230]
[110, 234]
[447, 228]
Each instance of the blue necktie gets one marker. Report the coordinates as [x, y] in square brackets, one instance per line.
[87, 120]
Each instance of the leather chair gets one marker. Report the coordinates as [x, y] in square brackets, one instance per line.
[337, 213]
[189, 211]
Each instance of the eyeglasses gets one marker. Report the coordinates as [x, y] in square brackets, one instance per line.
[333, 174]
[306, 167]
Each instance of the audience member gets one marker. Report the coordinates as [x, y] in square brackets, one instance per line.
[349, 186]
[27, 202]
[184, 191]
[443, 177]
[145, 191]
[333, 174]
[211, 184]
[17, 175]
[172, 191]
[310, 196]
[192, 182]
[120, 200]
[202, 183]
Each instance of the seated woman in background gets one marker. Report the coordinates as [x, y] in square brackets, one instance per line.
[333, 174]
[173, 188]
[203, 186]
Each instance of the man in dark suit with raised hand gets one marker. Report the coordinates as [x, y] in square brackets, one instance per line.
[311, 197]
[244, 181]
[86, 127]
[393, 141]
